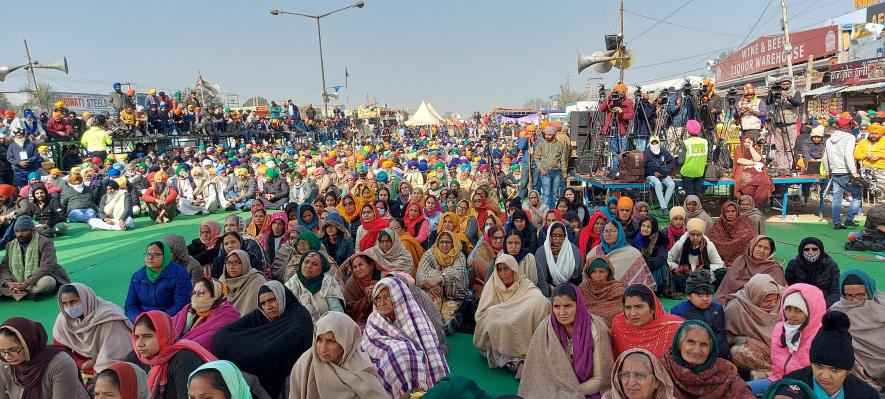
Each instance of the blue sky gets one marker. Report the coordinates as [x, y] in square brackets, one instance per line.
[461, 55]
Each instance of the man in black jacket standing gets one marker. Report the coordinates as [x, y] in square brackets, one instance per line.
[659, 164]
[643, 119]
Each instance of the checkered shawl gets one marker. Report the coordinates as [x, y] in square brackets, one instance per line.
[406, 352]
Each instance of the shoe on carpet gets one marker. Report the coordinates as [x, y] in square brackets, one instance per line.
[849, 223]
[839, 227]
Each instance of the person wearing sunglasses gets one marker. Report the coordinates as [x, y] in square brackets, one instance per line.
[161, 284]
[814, 266]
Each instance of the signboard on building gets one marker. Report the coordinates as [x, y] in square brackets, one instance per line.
[82, 102]
[767, 52]
[876, 13]
[858, 4]
[864, 71]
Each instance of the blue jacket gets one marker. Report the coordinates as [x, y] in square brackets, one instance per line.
[169, 294]
[642, 126]
[680, 116]
[662, 163]
[714, 316]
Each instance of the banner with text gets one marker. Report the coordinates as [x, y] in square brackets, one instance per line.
[864, 71]
[767, 52]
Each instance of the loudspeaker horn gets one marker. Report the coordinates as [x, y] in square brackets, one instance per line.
[600, 60]
[7, 70]
[61, 65]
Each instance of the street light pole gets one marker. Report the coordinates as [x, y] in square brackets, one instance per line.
[322, 70]
[358, 4]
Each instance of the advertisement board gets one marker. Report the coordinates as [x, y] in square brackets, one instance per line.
[767, 52]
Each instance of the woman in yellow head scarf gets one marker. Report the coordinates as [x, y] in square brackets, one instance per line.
[450, 222]
[467, 221]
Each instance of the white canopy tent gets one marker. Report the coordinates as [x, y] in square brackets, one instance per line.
[434, 111]
[424, 116]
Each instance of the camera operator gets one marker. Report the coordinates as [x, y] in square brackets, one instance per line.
[870, 152]
[750, 112]
[681, 108]
[618, 108]
[784, 101]
[709, 107]
[843, 171]
[644, 119]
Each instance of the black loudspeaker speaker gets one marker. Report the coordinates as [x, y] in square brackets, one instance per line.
[579, 125]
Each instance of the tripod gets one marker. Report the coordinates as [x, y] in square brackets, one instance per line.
[779, 130]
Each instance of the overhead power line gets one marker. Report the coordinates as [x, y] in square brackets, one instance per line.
[660, 21]
[680, 25]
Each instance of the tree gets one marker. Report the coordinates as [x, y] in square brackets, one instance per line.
[4, 103]
[567, 95]
[42, 99]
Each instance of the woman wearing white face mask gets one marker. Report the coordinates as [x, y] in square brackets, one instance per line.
[96, 332]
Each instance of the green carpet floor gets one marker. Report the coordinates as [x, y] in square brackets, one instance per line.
[105, 261]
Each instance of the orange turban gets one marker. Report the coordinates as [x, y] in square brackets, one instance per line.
[625, 203]
[620, 87]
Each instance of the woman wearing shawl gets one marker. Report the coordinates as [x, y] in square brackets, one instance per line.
[629, 263]
[365, 272]
[481, 206]
[814, 266]
[205, 247]
[259, 223]
[409, 243]
[372, 224]
[432, 213]
[691, 252]
[94, 331]
[401, 341]
[171, 360]
[336, 366]
[231, 241]
[467, 220]
[221, 379]
[349, 209]
[197, 194]
[525, 259]
[336, 238]
[601, 292]
[695, 368]
[750, 317]
[449, 222]
[801, 311]
[442, 273]
[287, 251]
[865, 307]
[160, 284]
[278, 332]
[242, 281]
[559, 260]
[694, 210]
[507, 316]
[748, 209]
[483, 255]
[159, 199]
[178, 249]
[416, 224]
[391, 251]
[32, 369]
[643, 323]
[637, 374]
[402, 197]
[208, 312]
[653, 247]
[275, 237]
[758, 258]
[640, 210]
[750, 173]
[534, 207]
[522, 225]
[591, 234]
[315, 287]
[122, 380]
[731, 232]
[610, 210]
[307, 217]
[676, 228]
[570, 355]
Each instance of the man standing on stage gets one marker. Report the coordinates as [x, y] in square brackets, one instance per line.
[785, 109]
[694, 159]
[680, 106]
[617, 108]
[644, 120]
[526, 145]
[750, 110]
[552, 158]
